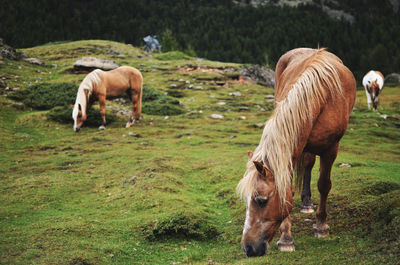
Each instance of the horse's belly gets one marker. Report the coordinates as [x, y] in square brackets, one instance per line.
[326, 132]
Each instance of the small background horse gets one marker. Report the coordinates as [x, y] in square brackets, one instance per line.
[373, 84]
[314, 96]
[99, 84]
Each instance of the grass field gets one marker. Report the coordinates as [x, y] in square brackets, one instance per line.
[163, 191]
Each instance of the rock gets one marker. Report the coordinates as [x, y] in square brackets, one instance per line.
[217, 116]
[392, 79]
[131, 180]
[241, 117]
[259, 125]
[221, 103]
[3, 84]
[383, 116]
[88, 64]
[236, 94]
[258, 74]
[9, 52]
[344, 165]
[35, 61]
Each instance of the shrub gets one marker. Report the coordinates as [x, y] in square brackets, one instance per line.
[156, 103]
[45, 96]
[63, 114]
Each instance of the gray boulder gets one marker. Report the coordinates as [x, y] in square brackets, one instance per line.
[258, 74]
[35, 61]
[88, 64]
[392, 79]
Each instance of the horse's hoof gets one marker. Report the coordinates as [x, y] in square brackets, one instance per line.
[320, 231]
[128, 124]
[306, 209]
[102, 127]
[286, 246]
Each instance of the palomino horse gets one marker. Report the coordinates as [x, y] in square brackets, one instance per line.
[373, 84]
[314, 95]
[99, 84]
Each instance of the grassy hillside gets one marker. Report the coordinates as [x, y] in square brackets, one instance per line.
[162, 192]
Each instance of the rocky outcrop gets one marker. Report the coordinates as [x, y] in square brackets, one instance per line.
[258, 74]
[88, 64]
[9, 52]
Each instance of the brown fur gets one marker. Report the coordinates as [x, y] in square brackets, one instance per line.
[327, 110]
[124, 79]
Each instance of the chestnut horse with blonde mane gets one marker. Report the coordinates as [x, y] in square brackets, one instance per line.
[314, 96]
[99, 85]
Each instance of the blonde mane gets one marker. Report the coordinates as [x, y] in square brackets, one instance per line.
[93, 78]
[282, 130]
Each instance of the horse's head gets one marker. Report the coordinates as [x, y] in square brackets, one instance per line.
[264, 212]
[374, 90]
[78, 116]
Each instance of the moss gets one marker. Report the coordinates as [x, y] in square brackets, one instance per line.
[188, 225]
[173, 55]
[379, 188]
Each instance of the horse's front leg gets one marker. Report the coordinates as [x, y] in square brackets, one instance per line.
[321, 228]
[102, 104]
[286, 242]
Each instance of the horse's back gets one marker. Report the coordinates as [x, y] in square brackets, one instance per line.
[331, 117]
[117, 81]
[372, 76]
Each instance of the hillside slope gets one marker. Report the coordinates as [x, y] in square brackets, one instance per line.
[163, 191]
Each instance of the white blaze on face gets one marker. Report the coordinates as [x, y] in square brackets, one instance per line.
[75, 114]
[247, 225]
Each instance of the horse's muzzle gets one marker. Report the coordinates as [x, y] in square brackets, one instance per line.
[255, 251]
[77, 129]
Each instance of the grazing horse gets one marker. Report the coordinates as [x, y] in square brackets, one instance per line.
[99, 84]
[314, 96]
[373, 84]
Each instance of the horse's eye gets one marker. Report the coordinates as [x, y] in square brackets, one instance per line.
[261, 201]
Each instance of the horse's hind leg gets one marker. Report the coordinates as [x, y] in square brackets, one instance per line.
[134, 96]
[102, 104]
[306, 204]
[286, 242]
[321, 228]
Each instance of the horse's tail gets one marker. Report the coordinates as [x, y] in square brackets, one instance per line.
[300, 171]
[138, 86]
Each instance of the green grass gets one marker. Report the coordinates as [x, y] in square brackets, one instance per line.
[163, 191]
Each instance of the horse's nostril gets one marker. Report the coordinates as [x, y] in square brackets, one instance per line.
[255, 252]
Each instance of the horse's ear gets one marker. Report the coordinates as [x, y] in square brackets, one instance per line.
[250, 154]
[260, 167]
